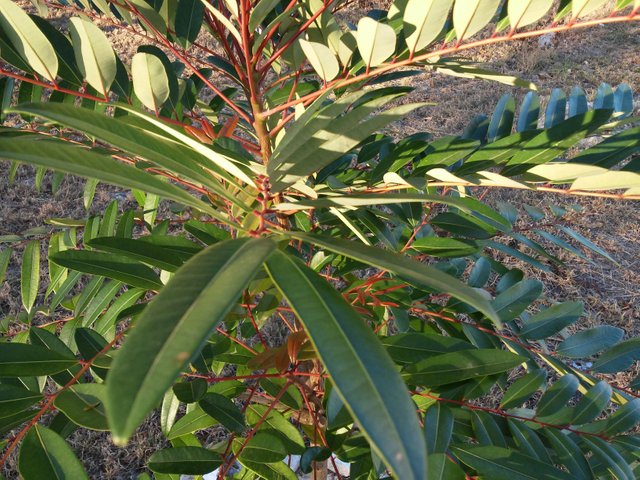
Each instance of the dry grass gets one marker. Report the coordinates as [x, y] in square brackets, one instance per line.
[611, 292]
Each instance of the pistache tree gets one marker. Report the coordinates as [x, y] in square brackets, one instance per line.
[268, 198]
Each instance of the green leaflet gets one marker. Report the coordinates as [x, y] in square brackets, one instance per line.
[84, 405]
[505, 464]
[322, 59]
[455, 367]
[324, 133]
[554, 141]
[134, 139]
[174, 327]
[423, 22]
[471, 16]
[109, 265]
[45, 454]
[184, 461]
[16, 399]
[523, 388]
[189, 16]
[86, 163]
[224, 411]
[376, 41]
[143, 249]
[589, 342]
[150, 80]
[30, 277]
[525, 12]
[410, 270]
[94, 55]
[24, 360]
[351, 353]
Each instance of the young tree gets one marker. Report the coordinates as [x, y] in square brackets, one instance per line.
[289, 208]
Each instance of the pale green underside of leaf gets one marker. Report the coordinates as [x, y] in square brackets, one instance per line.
[94, 54]
[471, 16]
[150, 80]
[29, 41]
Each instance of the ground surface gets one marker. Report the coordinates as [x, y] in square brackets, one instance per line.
[611, 292]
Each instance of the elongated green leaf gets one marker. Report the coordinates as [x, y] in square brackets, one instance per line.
[28, 40]
[86, 163]
[586, 242]
[264, 447]
[557, 395]
[438, 428]
[446, 247]
[569, 454]
[607, 454]
[529, 112]
[380, 403]
[423, 21]
[592, 403]
[15, 399]
[589, 342]
[30, 277]
[174, 327]
[94, 55]
[322, 59]
[471, 16]
[409, 348]
[184, 461]
[108, 265]
[224, 411]
[43, 338]
[441, 467]
[410, 270]
[189, 20]
[169, 259]
[150, 80]
[133, 139]
[551, 320]
[330, 138]
[193, 421]
[553, 142]
[619, 357]
[525, 12]
[45, 454]
[499, 463]
[221, 161]
[528, 440]
[5, 256]
[517, 298]
[84, 405]
[458, 366]
[502, 119]
[23, 360]
[523, 388]
[625, 418]
[276, 423]
[376, 41]
[581, 8]
[611, 151]
[278, 470]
